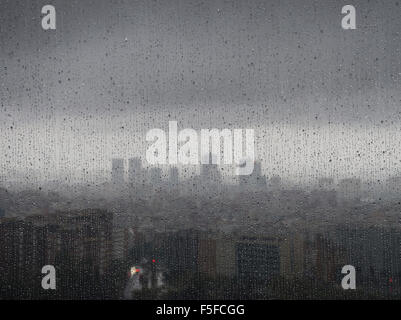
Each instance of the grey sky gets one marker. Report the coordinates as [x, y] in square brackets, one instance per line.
[114, 69]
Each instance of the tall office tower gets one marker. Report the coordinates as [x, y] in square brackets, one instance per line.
[155, 177]
[326, 183]
[173, 178]
[135, 171]
[257, 169]
[393, 187]
[254, 181]
[275, 183]
[210, 173]
[260, 180]
[350, 189]
[117, 171]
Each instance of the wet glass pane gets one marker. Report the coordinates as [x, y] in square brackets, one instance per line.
[200, 149]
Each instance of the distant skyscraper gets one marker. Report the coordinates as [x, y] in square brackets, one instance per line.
[257, 170]
[210, 172]
[275, 183]
[173, 178]
[326, 183]
[135, 171]
[393, 187]
[350, 189]
[255, 180]
[155, 177]
[117, 171]
[261, 181]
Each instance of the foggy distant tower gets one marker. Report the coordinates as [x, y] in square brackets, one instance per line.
[257, 169]
[393, 187]
[275, 183]
[173, 178]
[243, 182]
[155, 177]
[135, 171]
[260, 180]
[326, 183]
[350, 189]
[253, 181]
[117, 171]
[210, 172]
